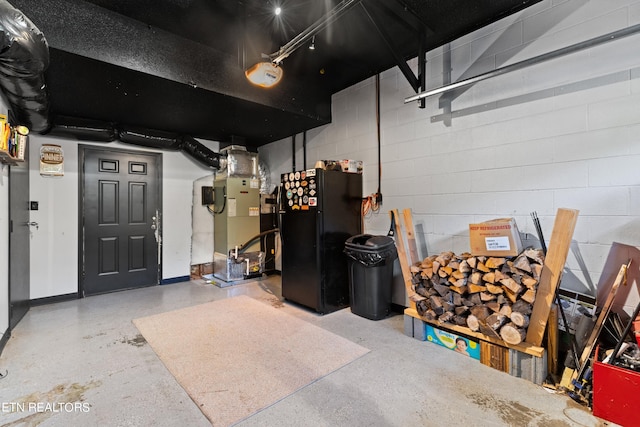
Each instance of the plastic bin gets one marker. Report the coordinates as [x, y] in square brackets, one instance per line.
[370, 274]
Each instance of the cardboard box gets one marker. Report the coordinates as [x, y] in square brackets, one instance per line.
[457, 343]
[498, 237]
[353, 166]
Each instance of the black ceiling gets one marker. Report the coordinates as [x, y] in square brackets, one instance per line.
[178, 65]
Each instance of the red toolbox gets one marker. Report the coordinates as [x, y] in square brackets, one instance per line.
[616, 394]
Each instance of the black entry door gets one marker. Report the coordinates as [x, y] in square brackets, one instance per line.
[120, 211]
[19, 236]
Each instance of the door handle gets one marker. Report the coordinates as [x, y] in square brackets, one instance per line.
[32, 224]
[155, 226]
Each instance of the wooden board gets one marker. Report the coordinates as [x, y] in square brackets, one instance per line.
[411, 236]
[494, 356]
[554, 262]
[402, 258]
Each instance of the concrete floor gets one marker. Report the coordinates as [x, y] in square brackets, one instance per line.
[88, 351]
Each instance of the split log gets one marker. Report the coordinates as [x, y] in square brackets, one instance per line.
[535, 255]
[495, 321]
[459, 320]
[475, 299]
[476, 278]
[522, 307]
[487, 330]
[529, 296]
[435, 266]
[458, 274]
[421, 290]
[511, 334]
[447, 306]
[499, 275]
[493, 306]
[480, 266]
[436, 305]
[472, 261]
[486, 296]
[519, 319]
[448, 270]
[506, 310]
[511, 296]
[536, 270]
[476, 288]
[512, 285]
[481, 312]
[489, 277]
[430, 315]
[442, 290]
[494, 289]
[460, 283]
[529, 282]
[456, 299]
[422, 306]
[445, 317]
[462, 290]
[494, 263]
[427, 263]
[522, 263]
[460, 310]
[473, 323]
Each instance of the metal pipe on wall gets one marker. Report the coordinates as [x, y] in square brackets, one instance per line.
[293, 152]
[304, 149]
[629, 31]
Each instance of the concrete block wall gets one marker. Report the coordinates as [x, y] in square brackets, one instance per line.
[561, 134]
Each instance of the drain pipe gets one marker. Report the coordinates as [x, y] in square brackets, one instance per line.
[293, 151]
[304, 149]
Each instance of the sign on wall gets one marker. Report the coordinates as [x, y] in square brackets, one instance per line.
[51, 160]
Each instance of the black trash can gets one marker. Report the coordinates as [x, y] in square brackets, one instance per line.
[370, 274]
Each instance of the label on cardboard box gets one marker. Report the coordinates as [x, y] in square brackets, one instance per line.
[497, 243]
[498, 237]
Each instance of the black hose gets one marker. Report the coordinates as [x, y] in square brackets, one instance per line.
[249, 242]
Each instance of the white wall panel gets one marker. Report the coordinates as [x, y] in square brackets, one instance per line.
[4, 240]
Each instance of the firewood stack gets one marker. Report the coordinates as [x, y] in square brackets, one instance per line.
[490, 295]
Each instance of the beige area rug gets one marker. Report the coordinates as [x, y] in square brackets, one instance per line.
[237, 356]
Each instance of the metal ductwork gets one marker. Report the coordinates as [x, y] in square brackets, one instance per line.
[24, 57]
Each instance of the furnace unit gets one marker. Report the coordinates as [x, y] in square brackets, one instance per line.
[236, 221]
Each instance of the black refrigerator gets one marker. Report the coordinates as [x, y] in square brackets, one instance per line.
[320, 209]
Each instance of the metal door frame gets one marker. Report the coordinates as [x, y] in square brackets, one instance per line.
[81, 158]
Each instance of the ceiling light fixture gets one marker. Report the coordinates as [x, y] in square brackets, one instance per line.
[278, 10]
[312, 46]
[268, 74]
